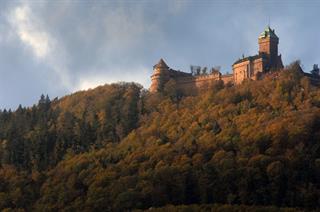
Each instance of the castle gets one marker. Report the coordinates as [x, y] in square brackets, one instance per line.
[252, 67]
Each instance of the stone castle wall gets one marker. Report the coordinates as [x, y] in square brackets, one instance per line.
[188, 84]
[249, 69]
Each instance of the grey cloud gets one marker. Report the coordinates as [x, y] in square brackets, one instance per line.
[100, 42]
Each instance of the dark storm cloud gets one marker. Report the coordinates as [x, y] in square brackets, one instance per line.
[58, 47]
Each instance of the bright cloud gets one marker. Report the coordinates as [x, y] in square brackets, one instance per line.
[92, 81]
[34, 34]
[123, 30]
[29, 33]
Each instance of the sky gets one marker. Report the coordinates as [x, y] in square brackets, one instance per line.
[59, 47]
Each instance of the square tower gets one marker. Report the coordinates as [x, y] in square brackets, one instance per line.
[268, 44]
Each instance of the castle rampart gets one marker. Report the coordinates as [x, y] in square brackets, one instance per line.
[186, 82]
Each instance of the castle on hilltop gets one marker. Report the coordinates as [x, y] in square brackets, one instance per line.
[252, 67]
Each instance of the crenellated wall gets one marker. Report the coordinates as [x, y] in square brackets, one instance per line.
[186, 82]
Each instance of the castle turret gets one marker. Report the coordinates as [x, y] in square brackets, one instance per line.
[268, 45]
[160, 76]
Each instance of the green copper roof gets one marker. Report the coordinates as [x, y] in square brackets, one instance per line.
[268, 32]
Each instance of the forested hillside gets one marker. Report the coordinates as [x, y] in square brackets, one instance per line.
[118, 148]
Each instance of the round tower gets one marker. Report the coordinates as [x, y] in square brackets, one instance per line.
[160, 76]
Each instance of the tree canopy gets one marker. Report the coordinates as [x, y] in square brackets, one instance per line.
[119, 147]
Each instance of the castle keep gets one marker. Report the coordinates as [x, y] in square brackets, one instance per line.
[252, 67]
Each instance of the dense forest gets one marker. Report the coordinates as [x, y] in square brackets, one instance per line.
[118, 147]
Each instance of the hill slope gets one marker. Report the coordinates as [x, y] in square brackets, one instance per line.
[122, 148]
